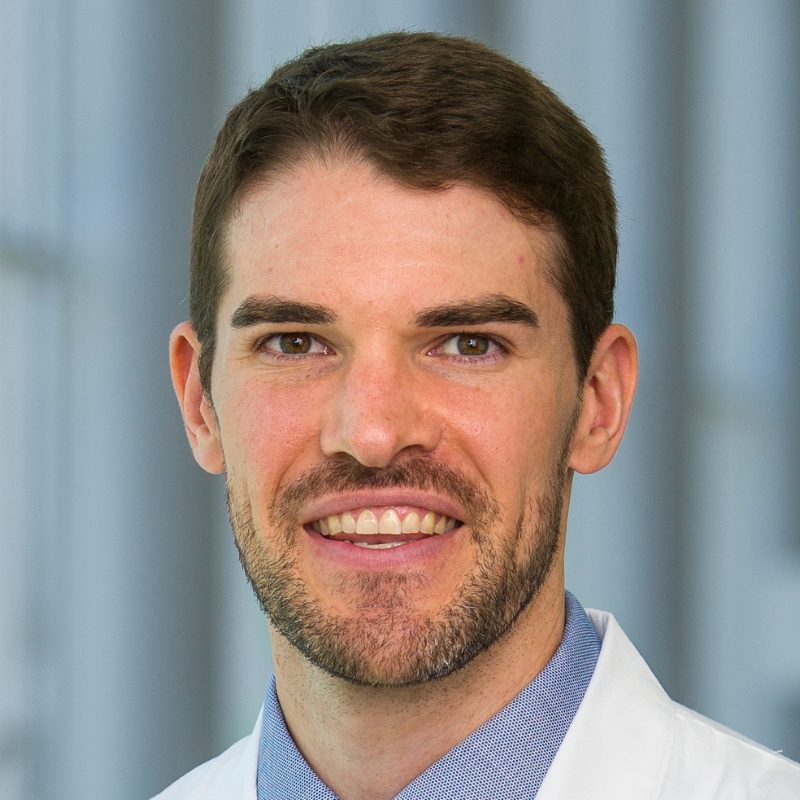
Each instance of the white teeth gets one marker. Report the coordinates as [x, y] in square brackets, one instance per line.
[389, 523]
[334, 526]
[367, 523]
[410, 523]
[348, 523]
[428, 523]
[381, 546]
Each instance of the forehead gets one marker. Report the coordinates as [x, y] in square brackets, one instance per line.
[342, 235]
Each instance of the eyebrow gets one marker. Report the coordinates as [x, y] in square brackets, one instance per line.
[256, 310]
[493, 308]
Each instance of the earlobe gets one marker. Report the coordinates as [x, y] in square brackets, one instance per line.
[198, 413]
[607, 398]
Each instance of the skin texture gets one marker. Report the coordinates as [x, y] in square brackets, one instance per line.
[379, 389]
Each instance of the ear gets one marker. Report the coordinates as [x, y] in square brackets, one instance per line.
[607, 398]
[198, 413]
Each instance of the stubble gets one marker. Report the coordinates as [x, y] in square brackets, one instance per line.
[387, 641]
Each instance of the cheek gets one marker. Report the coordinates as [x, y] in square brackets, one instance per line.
[512, 433]
[270, 431]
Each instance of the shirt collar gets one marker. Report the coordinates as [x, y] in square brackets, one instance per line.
[508, 756]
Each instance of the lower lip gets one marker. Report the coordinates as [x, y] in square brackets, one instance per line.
[405, 555]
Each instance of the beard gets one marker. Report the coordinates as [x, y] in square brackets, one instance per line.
[387, 641]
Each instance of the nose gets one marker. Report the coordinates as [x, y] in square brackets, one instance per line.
[379, 410]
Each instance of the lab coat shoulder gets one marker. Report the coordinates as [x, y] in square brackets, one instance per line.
[229, 776]
[630, 741]
[709, 760]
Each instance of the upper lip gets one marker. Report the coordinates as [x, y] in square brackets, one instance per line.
[347, 501]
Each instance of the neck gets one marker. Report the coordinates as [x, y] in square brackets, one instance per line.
[367, 743]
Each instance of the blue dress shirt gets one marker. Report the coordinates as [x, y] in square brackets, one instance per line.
[506, 758]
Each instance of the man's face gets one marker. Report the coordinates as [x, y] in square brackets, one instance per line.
[394, 388]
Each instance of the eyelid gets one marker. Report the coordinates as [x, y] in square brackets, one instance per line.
[261, 345]
[501, 347]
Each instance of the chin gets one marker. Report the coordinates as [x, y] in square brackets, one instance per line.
[386, 641]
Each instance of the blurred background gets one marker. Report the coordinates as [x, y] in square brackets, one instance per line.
[130, 646]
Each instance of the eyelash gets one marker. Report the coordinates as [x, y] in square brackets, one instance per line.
[276, 355]
[488, 358]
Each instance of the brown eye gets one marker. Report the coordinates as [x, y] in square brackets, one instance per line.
[472, 345]
[470, 348]
[294, 343]
[291, 345]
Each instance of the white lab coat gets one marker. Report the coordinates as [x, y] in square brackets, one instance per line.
[628, 741]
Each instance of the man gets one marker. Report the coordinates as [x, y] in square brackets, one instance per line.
[400, 350]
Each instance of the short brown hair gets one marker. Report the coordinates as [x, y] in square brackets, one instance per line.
[429, 111]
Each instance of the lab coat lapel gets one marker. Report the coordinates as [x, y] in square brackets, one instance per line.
[619, 742]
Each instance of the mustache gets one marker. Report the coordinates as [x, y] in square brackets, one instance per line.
[339, 476]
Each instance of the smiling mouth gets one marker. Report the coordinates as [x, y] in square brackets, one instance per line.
[382, 528]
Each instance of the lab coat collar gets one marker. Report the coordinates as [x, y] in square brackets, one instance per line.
[619, 743]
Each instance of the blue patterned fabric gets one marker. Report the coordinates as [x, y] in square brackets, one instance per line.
[507, 757]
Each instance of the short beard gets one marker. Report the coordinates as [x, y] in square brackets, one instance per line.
[387, 643]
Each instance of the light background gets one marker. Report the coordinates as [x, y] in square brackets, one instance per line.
[130, 647]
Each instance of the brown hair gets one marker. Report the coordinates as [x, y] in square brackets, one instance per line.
[428, 111]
